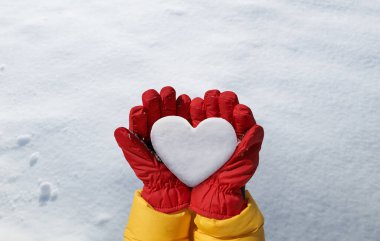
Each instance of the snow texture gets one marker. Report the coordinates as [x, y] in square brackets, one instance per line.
[193, 154]
[71, 70]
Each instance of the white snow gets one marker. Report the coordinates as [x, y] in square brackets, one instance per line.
[71, 70]
[22, 140]
[193, 154]
[33, 159]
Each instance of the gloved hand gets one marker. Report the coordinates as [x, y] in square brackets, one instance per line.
[220, 196]
[162, 190]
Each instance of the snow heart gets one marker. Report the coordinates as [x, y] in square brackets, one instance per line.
[193, 154]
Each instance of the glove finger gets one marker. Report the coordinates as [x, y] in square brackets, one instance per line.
[243, 119]
[136, 152]
[168, 101]
[251, 142]
[211, 103]
[152, 103]
[243, 163]
[138, 122]
[227, 102]
[183, 106]
[197, 111]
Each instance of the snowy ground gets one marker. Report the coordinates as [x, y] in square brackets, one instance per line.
[71, 70]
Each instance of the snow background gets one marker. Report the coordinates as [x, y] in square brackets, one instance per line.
[71, 70]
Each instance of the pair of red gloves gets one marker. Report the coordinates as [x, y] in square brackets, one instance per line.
[219, 196]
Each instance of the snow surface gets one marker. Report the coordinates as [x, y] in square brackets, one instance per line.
[71, 70]
[193, 154]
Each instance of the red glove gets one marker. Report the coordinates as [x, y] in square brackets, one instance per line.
[220, 196]
[162, 190]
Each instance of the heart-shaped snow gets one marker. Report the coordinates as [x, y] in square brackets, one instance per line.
[193, 154]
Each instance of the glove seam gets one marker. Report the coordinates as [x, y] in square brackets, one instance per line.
[172, 209]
